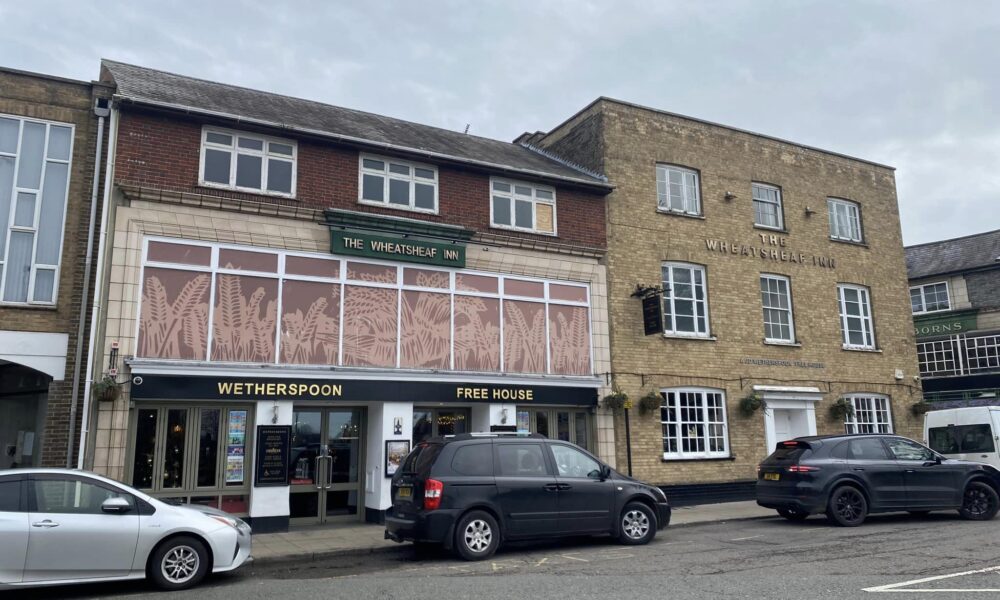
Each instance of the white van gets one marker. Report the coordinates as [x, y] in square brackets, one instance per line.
[965, 433]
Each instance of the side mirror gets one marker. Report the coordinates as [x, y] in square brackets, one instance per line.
[116, 505]
[605, 472]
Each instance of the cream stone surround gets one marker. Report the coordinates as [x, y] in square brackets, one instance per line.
[140, 218]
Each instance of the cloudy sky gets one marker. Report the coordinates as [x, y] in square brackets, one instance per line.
[909, 83]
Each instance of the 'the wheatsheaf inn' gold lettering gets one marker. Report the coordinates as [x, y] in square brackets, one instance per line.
[778, 253]
[239, 388]
[480, 393]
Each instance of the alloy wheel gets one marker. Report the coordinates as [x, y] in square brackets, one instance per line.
[850, 505]
[180, 564]
[478, 535]
[635, 524]
[977, 501]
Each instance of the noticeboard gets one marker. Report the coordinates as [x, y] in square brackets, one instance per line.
[272, 455]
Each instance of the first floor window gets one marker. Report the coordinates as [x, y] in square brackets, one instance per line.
[250, 162]
[398, 184]
[523, 206]
[856, 317]
[929, 298]
[677, 190]
[685, 303]
[776, 298]
[871, 414]
[845, 220]
[34, 182]
[694, 423]
[766, 206]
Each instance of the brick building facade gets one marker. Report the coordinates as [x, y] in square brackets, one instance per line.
[714, 215]
[48, 140]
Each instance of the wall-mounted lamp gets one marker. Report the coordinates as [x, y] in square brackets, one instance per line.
[730, 196]
[810, 212]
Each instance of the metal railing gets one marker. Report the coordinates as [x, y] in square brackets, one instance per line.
[960, 354]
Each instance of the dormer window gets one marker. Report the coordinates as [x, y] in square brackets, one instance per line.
[247, 162]
[398, 184]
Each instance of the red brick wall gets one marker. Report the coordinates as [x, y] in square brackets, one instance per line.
[163, 151]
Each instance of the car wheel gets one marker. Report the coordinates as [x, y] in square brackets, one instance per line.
[793, 515]
[477, 536]
[178, 563]
[980, 502]
[637, 524]
[847, 506]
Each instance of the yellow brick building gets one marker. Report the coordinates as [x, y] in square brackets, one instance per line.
[783, 280]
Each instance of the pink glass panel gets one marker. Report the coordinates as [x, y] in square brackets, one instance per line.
[248, 261]
[476, 283]
[369, 272]
[426, 278]
[426, 331]
[370, 326]
[518, 287]
[312, 267]
[477, 334]
[245, 318]
[569, 340]
[183, 254]
[523, 337]
[569, 293]
[235, 505]
[310, 323]
[173, 321]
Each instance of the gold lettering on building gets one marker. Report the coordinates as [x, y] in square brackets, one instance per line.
[777, 253]
[317, 390]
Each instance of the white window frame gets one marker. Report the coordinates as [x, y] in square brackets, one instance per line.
[853, 220]
[534, 200]
[33, 228]
[754, 187]
[922, 289]
[872, 414]
[387, 175]
[669, 323]
[867, 321]
[705, 423]
[689, 194]
[234, 150]
[789, 310]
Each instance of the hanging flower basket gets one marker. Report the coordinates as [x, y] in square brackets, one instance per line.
[107, 389]
[751, 403]
[615, 401]
[841, 409]
[649, 403]
[919, 408]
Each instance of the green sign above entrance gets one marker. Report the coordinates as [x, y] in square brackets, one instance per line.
[944, 325]
[390, 248]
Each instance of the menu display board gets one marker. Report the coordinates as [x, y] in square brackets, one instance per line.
[271, 458]
[236, 440]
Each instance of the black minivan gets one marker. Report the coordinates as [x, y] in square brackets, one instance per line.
[472, 492]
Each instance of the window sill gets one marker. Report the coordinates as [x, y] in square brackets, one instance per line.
[674, 213]
[780, 230]
[861, 244]
[521, 230]
[710, 458]
[420, 211]
[855, 349]
[228, 188]
[702, 338]
[932, 312]
[27, 306]
[778, 343]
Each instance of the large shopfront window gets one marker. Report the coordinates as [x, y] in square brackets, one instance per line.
[694, 423]
[193, 453]
[235, 304]
[566, 424]
[435, 422]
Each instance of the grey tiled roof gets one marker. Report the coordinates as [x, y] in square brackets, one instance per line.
[159, 88]
[951, 256]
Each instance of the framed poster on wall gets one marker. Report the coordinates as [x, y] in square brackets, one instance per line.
[395, 452]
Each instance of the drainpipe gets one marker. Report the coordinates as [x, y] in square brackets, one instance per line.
[101, 109]
[98, 284]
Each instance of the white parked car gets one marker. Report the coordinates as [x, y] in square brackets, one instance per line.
[969, 433]
[61, 526]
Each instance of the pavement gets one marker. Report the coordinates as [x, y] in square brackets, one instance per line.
[310, 543]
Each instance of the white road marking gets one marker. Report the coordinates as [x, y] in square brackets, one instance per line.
[752, 537]
[539, 563]
[896, 587]
[574, 558]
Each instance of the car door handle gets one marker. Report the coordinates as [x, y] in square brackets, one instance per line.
[909, 471]
[565, 486]
[46, 524]
[551, 487]
[858, 469]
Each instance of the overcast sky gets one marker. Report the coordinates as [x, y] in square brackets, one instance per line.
[909, 83]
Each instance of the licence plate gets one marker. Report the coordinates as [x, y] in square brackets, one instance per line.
[772, 476]
[404, 492]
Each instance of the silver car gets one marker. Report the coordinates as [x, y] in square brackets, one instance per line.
[62, 526]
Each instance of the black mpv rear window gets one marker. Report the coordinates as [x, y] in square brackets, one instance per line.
[421, 459]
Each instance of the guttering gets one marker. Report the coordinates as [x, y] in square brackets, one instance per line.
[101, 112]
[98, 283]
[599, 185]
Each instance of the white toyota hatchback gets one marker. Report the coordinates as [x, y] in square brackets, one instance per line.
[61, 526]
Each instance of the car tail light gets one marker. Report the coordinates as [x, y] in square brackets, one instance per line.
[432, 494]
[802, 469]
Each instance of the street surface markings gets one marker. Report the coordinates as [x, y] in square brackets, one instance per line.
[902, 587]
[752, 537]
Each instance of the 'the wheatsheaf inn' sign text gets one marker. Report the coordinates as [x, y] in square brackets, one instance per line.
[772, 248]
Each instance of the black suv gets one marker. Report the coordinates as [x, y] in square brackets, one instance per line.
[849, 476]
[471, 492]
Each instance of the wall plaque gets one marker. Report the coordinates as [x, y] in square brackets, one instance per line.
[272, 455]
[390, 248]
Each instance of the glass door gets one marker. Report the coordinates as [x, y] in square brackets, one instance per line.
[435, 422]
[566, 424]
[324, 463]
